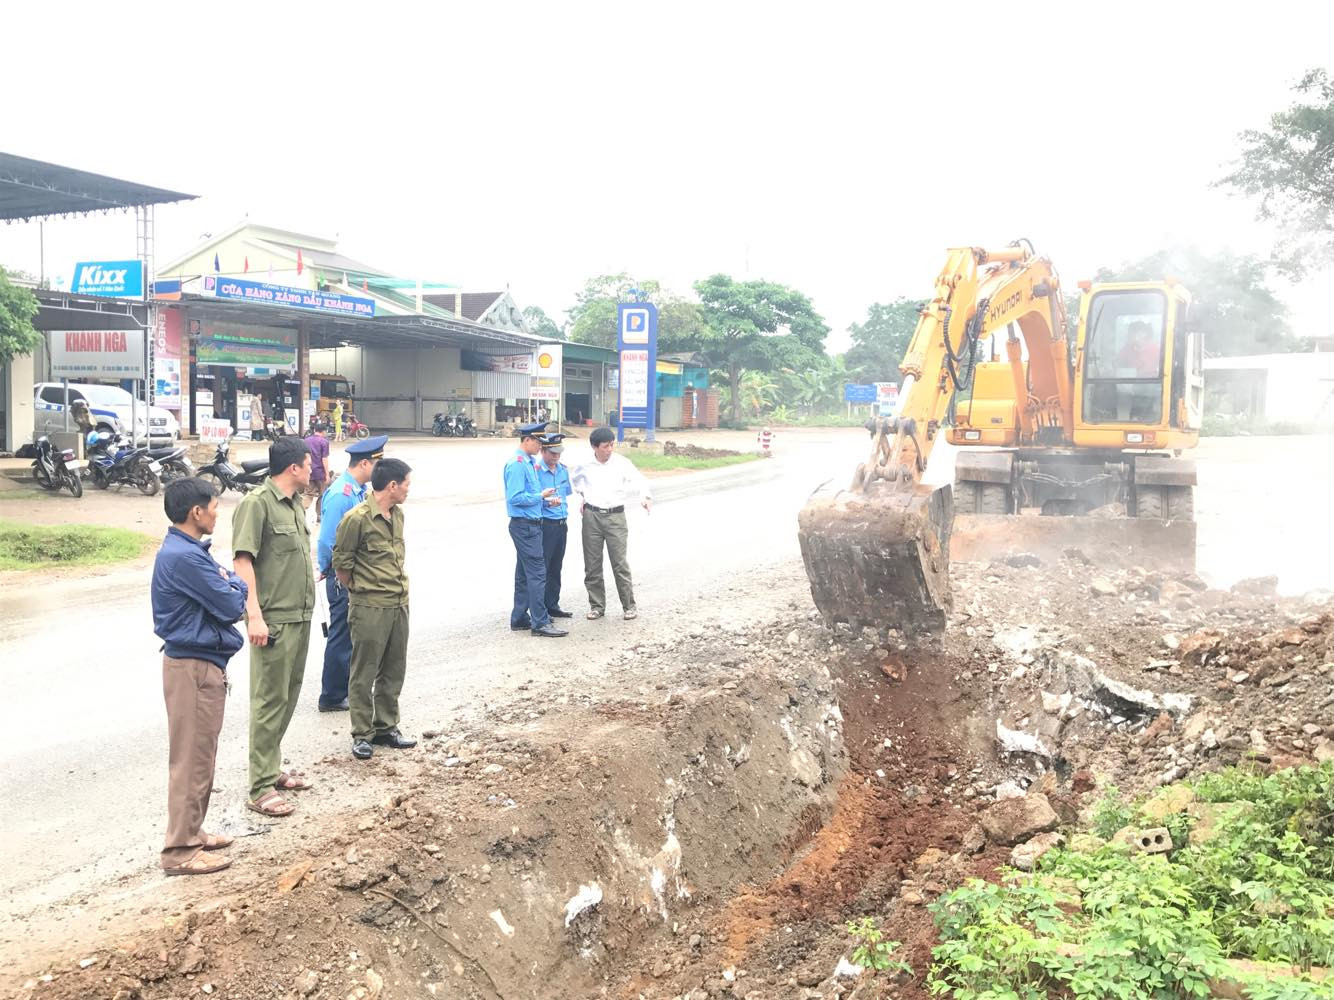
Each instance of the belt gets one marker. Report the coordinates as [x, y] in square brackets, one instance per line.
[530, 520]
[605, 510]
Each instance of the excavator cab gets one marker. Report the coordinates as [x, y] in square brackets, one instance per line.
[1138, 369]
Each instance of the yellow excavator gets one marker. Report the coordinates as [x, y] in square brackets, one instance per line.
[1065, 436]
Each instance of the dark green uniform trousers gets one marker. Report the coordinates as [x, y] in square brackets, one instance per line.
[275, 683]
[612, 530]
[379, 665]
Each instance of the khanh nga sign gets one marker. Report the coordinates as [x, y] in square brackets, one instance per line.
[282, 295]
[83, 354]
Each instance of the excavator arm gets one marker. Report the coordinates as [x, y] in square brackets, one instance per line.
[978, 293]
[878, 553]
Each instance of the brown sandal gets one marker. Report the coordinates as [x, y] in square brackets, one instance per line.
[271, 804]
[291, 781]
[202, 863]
[217, 842]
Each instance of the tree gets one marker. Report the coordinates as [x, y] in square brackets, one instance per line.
[539, 323]
[592, 320]
[1290, 168]
[18, 306]
[1231, 301]
[756, 326]
[879, 344]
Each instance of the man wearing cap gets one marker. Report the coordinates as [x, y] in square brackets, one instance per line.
[368, 558]
[551, 473]
[346, 492]
[524, 499]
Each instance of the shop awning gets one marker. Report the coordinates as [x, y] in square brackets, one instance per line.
[32, 189]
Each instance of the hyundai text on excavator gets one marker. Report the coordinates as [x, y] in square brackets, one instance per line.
[1070, 437]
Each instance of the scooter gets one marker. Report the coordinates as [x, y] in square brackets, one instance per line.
[112, 462]
[464, 426]
[174, 461]
[225, 476]
[355, 428]
[57, 469]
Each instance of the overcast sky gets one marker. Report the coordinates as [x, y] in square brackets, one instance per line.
[836, 147]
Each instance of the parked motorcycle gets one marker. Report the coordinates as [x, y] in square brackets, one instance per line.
[464, 426]
[321, 422]
[56, 469]
[442, 425]
[355, 428]
[112, 461]
[226, 476]
[174, 461]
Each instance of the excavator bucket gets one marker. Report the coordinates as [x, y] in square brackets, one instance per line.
[879, 558]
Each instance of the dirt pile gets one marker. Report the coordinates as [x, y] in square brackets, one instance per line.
[671, 448]
[1143, 677]
[537, 856]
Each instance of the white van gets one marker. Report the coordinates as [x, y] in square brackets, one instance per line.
[112, 409]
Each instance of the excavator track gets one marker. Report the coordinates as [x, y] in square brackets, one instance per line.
[880, 558]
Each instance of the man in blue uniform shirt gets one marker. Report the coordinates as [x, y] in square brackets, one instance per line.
[551, 473]
[524, 500]
[343, 494]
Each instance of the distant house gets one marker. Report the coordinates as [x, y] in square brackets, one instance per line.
[1287, 388]
[496, 309]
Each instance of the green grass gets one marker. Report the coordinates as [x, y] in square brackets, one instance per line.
[37, 547]
[1259, 885]
[664, 463]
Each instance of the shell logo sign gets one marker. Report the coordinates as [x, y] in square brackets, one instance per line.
[545, 383]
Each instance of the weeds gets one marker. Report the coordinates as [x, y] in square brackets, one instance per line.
[872, 951]
[1110, 813]
[1259, 887]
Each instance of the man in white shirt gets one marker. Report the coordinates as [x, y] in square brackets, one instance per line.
[604, 484]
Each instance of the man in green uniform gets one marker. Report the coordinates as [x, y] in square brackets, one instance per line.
[271, 553]
[368, 558]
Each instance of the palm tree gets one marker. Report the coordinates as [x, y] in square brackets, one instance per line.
[758, 392]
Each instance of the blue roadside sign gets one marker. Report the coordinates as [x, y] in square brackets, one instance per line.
[637, 342]
[854, 393]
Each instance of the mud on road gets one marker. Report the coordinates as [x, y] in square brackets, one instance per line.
[706, 832]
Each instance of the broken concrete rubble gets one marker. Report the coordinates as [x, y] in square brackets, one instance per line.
[1012, 820]
[1025, 856]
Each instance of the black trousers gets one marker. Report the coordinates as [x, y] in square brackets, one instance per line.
[553, 554]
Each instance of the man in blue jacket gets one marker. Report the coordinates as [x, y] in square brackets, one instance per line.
[195, 603]
[551, 472]
[524, 500]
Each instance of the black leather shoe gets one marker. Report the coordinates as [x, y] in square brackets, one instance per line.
[549, 631]
[394, 739]
[362, 750]
[521, 626]
[560, 614]
[338, 706]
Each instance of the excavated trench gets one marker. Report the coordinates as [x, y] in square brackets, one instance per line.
[709, 841]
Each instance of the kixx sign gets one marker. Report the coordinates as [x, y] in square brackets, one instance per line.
[121, 279]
